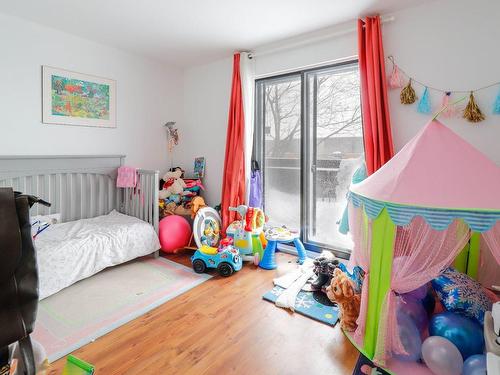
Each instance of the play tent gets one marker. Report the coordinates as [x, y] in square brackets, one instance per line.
[435, 203]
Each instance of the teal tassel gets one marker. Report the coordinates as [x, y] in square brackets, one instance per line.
[424, 105]
[496, 106]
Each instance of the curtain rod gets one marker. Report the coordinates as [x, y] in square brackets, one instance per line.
[319, 38]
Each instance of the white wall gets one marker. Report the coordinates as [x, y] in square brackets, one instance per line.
[448, 43]
[148, 94]
[207, 90]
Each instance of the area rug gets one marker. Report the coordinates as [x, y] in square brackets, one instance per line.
[95, 306]
[314, 305]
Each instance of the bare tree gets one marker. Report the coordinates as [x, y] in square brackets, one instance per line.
[333, 105]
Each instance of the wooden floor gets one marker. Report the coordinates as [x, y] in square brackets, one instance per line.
[222, 327]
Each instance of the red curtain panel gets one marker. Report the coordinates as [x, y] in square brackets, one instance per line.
[233, 185]
[375, 106]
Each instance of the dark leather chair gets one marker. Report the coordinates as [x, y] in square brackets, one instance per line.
[18, 275]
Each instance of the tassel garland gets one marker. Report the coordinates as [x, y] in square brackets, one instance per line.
[395, 79]
[408, 95]
[472, 113]
[496, 106]
[424, 105]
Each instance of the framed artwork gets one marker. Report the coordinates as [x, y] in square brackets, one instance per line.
[72, 98]
[199, 167]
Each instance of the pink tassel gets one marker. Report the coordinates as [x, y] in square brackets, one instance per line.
[451, 110]
[395, 79]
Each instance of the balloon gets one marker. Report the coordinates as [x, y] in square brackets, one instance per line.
[415, 310]
[475, 365]
[418, 294]
[441, 356]
[410, 338]
[465, 333]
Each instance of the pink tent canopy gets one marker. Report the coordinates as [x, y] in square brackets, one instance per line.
[438, 169]
[437, 190]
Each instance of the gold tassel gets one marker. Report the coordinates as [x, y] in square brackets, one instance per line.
[408, 95]
[472, 113]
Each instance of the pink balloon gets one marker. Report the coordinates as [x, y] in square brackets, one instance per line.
[174, 233]
[441, 356]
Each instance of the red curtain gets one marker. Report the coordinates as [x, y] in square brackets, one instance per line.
[233, 183]
[375, 107]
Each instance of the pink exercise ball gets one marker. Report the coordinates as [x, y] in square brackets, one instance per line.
[175, 233]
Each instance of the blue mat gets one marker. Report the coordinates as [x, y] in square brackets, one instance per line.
[314, 305]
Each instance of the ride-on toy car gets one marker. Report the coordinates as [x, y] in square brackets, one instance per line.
[225, 258]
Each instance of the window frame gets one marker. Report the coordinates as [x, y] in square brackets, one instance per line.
[258, 149]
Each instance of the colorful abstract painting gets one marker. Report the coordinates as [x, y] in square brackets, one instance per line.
[77, 99]
[72, 97]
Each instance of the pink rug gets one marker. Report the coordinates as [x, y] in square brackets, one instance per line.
[95, 306]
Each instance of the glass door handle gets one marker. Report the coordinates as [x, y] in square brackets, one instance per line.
[313, 168]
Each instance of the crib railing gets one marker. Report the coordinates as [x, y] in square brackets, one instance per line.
[142, 201]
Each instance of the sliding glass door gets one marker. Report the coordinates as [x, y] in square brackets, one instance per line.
[334, 150]
[308, 139]
[280, 131]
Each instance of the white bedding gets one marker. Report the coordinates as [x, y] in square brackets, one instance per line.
[69, 252]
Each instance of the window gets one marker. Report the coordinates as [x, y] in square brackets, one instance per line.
[308, 140]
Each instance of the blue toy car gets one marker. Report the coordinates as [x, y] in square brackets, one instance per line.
[226, 259]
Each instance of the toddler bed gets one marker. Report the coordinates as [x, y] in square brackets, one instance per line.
[99, 225]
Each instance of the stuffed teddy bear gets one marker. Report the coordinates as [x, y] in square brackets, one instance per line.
[341, 291]
[174, 184]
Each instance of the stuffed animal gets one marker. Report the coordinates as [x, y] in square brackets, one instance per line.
[174, 184]
[196, 204]
[341, 291]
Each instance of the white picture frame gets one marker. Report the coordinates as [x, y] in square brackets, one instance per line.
[71, 98]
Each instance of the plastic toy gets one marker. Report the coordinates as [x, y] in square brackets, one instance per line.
[492, 330]
[76, 366]
[206, 227]
[174, 233]
[277, 235]
[226, 259]
[247, 234]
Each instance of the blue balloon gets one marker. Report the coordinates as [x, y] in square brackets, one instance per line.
[475, 365]
[465, 333]
[410, 338]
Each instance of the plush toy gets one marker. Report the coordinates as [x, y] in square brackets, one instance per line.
[196, 204]
[341, 291]
[175, 198]
[174, 184]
